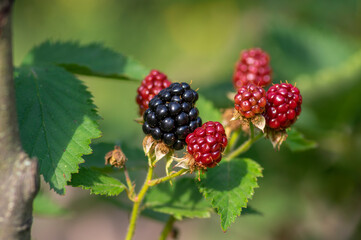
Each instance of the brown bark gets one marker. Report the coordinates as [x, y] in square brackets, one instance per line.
[19, 180]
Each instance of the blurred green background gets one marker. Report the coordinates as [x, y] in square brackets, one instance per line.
[316, 44]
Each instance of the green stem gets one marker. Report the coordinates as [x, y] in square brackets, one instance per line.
[167, 228]
[130, 191]
[164, 179]
[137, 201]
[244, 147]
[232, 141]
[127, 178]
[251, 127]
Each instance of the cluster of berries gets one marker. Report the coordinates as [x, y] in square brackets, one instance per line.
[280, 105]
[170, 116]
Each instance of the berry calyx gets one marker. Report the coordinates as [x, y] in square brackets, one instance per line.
[206, 144]
[150, 86]
[250, 100]
[283, 106]
[171, 115]
[253, 67]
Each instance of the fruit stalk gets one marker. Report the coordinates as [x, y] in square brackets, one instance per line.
[167, 228]
[244, 147]
[164, 179]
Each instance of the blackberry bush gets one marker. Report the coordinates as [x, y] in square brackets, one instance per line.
[172, 115]
[171, 120]
[150, 86]
[283, 106]
[253, 67]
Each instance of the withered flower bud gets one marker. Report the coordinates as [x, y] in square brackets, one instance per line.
[116, 157]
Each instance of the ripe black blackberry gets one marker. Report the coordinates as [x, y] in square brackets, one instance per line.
[171, 115]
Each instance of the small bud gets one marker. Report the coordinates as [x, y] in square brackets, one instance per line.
[116, 157]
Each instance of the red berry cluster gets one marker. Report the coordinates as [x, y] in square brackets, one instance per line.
[250, 100]
[150, 86]
[283, 105]
[207, 143]
[253, 67]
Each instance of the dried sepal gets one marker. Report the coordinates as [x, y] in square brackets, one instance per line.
[161, 150]
[277, 137]
[148, 143]
[231, 95]
[169, 161]
[259, 122]
[229, 121]
[188, 162]
[116, 157]
[139, 120]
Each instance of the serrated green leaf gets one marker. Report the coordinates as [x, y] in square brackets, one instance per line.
[92, 60]
[297, 142]
[180, 200]
[136, 157]
[207, 110]
[57, 120]
[97, 182]
[45, 206]
[229, 186]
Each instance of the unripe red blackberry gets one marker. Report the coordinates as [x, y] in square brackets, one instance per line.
[207, 143]
[250, 100]
[171, 115]
[253, 67]
[283, 106]
[150, 86]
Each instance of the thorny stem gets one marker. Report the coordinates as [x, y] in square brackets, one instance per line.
[130, 186]
[164, 179]
[167, 228]
[244, 147]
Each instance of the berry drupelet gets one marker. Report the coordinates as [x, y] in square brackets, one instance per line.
[253, 67]
[150, 86]
[206, 144]
[250, 100]
[283, 106]
[171, 115]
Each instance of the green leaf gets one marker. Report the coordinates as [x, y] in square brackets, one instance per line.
[97, 182]
[136, 157]
[207, 110]
[180, 200]
[57, 120]
[92, 60]
[229, 186]
[45, 206]
[296, 141]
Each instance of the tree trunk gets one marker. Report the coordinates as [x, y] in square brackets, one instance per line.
[19, 180]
